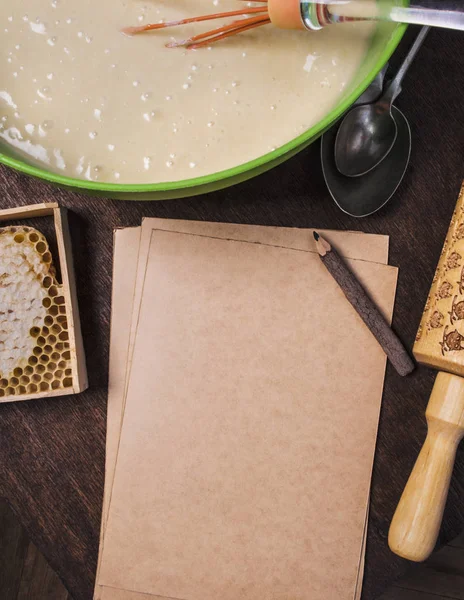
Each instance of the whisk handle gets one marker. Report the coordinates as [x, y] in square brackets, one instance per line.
[449, 14]
[435, 13]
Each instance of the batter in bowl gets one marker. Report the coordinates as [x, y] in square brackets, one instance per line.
[82, 99]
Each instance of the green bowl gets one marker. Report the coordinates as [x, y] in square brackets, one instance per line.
[385, 40]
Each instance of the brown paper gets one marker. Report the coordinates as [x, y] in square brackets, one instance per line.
[384, 284]
[349, 244]
[372, 247]
[109, 593]
[126, 249]
[125, 255]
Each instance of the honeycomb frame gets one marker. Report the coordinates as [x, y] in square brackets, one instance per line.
[56, 363]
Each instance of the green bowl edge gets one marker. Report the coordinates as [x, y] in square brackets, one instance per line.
[220, 179]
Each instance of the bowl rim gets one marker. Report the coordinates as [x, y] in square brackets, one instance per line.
[212, 178]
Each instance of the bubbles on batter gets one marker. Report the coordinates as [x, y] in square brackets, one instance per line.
[221, 104]
[59, 160]
[44, 93]
[149, 116]
[38, 27]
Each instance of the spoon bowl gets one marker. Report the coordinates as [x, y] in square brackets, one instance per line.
[363, 196]
[365, 137]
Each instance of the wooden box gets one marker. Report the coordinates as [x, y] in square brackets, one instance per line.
[56, 363]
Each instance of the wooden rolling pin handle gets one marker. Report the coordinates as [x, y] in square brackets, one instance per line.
[416, 522]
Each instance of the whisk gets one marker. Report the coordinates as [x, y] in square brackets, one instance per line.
[314, 15]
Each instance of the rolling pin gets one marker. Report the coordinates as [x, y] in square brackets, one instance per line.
[439, 343]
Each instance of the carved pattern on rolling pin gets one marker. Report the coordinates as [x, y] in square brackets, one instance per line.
[460, 232]
[452, 341]
[445, 305]
[453, 261]
[436, 320]
[461, 282]
[441, 330]
[445, 290]
[457, 311]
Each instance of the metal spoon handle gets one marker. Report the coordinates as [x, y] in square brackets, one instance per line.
[394, 87]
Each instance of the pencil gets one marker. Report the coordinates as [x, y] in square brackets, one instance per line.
[364, 306]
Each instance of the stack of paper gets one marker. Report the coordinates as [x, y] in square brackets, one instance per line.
[243, 406]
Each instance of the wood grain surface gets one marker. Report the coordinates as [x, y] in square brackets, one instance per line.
[441, 577]
[52, 450]
[24, 572]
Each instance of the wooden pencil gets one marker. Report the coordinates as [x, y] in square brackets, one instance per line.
[364, 306]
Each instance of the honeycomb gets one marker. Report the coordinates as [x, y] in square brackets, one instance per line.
[35, 355]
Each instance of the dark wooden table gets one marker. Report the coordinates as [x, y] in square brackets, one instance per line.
[52, 451]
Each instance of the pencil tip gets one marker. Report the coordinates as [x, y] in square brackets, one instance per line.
[316, 235]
